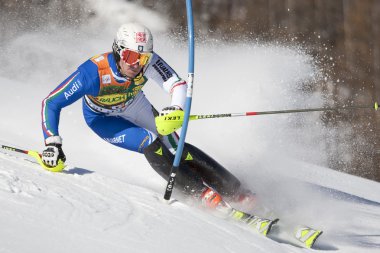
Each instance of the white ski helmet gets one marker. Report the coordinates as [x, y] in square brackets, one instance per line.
[132, 36]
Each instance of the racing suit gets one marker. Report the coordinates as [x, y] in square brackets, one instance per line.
[116, 109]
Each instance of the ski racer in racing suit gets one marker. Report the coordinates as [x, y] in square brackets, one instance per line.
[116, 109]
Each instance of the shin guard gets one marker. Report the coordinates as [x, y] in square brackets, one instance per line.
[161, 159]
[212, 173]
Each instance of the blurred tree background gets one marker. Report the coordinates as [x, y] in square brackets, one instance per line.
[344, 35]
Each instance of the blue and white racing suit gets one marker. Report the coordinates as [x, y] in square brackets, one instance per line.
[114, 107]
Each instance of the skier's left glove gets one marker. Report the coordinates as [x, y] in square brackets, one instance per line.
[53, 152]
[170, 109]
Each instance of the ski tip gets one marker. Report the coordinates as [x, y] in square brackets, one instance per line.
[307, 236]
[316, 237]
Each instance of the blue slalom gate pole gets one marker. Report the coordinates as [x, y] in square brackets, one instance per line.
[189, 94]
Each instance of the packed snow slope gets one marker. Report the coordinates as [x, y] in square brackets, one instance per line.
[109, 199]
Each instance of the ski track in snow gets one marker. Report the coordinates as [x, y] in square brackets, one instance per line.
[89, 202]
[94, 213]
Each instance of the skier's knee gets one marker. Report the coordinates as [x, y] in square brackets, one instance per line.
[161, 160]
[158, 158]
[213, 173]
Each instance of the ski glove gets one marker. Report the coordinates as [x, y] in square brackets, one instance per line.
[53, 152]
[170, 109]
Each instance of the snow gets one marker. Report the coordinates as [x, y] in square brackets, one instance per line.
[110, 200]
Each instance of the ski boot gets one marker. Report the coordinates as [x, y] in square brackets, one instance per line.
[212, 200]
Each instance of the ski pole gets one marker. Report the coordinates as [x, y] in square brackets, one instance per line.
[173, 121]
[189, 94]
[60, 166]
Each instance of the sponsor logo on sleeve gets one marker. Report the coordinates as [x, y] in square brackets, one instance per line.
[75, 87]
[162, 69]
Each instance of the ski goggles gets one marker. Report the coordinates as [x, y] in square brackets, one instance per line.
[132, 57]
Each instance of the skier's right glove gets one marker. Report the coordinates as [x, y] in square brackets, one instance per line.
[53, 152]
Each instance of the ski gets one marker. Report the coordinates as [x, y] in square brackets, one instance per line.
[307, 236]
[259, 224]
[294, 234]
[304, 236]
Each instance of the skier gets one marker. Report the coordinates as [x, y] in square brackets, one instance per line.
[116, 109]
